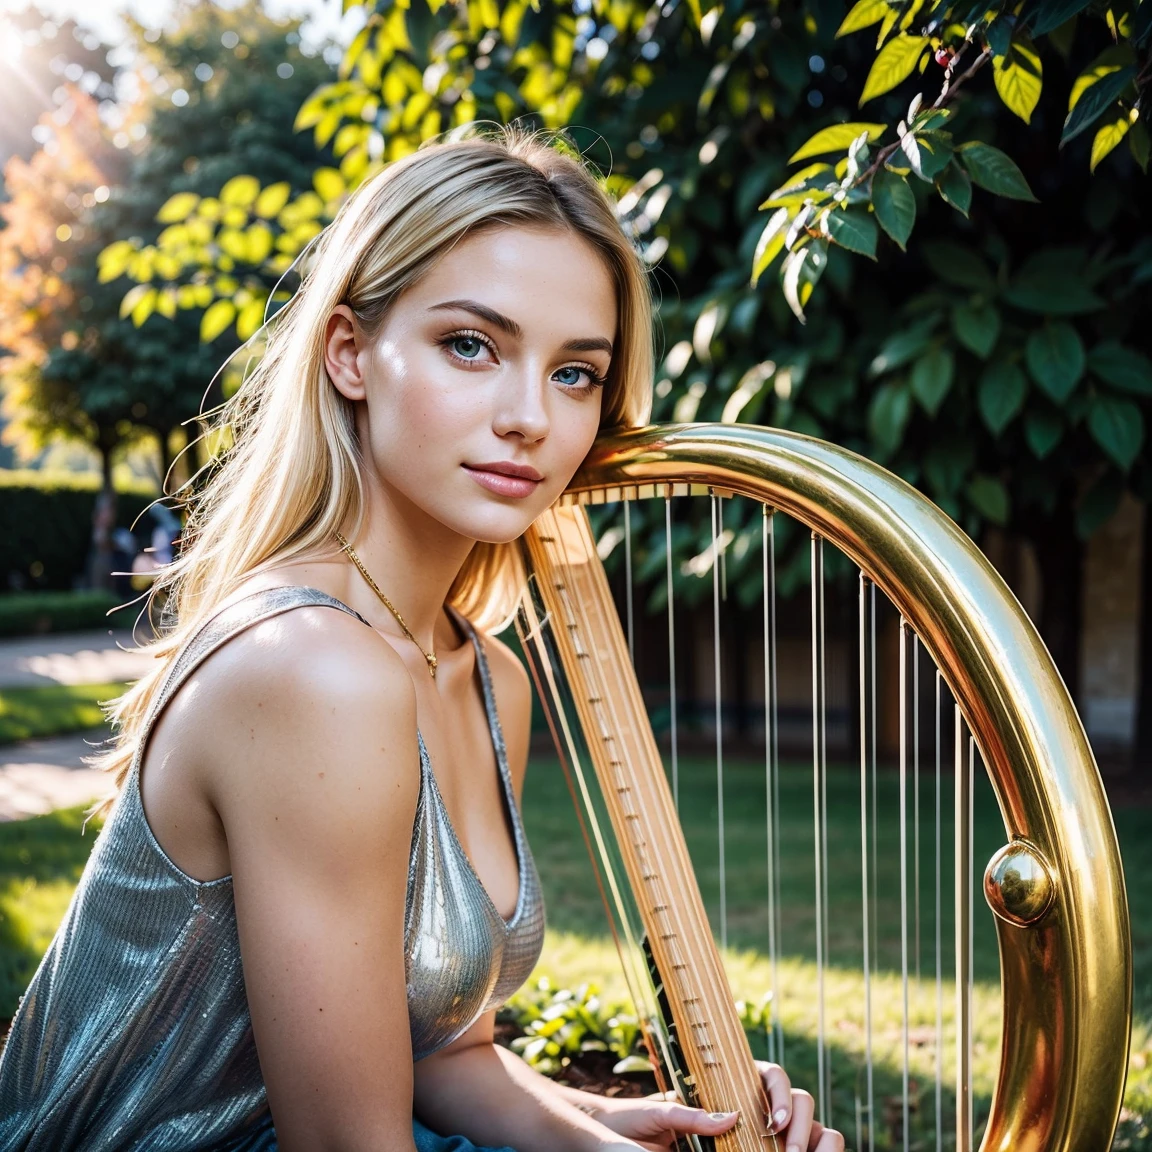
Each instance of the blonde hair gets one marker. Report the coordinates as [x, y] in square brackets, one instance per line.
[292, 474]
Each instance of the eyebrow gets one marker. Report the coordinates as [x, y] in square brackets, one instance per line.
[507, 324]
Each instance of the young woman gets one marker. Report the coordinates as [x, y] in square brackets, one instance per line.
[313, 889]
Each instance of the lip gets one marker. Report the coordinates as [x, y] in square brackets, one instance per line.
[505, 478]
[507, 468]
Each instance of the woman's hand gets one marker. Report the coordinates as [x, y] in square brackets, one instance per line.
[655, 1121]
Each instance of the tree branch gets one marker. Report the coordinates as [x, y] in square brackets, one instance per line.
[947, 93]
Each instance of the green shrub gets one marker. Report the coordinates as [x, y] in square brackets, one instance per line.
[29, 613]
[561, 1023]
[46, 525]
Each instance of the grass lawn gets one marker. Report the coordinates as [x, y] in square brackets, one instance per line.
[52, 710]
[41, 859]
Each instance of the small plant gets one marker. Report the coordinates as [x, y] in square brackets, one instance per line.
[558, 1024]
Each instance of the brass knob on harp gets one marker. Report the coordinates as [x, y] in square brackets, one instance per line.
[1018, 884]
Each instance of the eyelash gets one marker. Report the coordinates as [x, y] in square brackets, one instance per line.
[596, 380]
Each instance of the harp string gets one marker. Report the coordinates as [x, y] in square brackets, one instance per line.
[963, 857]
[819, 816]
[671, 649]
[628, 577]
[904, 636]
[771, 774]
[938, 907]
[866, 687]
[717, 533]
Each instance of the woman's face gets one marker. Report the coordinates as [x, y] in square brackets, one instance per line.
[490, 366]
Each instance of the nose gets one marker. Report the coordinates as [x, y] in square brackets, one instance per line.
[522, 407]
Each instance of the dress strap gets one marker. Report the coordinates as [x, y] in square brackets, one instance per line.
[225, 623]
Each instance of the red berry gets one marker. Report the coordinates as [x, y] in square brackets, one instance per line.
[943, 57]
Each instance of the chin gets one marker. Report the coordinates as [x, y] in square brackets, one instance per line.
[494, 525]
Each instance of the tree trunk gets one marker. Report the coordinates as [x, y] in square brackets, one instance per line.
[103, 522]
[1142, 750]
[1060, 555]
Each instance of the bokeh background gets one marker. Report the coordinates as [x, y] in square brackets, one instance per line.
[920, 230]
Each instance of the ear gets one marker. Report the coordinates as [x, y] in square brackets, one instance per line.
[343, 344]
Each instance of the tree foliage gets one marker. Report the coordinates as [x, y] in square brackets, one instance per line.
[88, 363]
[1000, 363]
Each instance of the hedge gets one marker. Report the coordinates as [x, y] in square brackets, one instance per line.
[46, 526]
[27, 613]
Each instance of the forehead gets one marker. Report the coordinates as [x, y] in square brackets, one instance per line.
[548, 281]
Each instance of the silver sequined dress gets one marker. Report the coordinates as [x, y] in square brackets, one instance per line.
[135, 1033]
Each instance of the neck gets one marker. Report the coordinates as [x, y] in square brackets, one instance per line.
[413, 560]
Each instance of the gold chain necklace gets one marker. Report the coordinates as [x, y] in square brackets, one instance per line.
[429, 656]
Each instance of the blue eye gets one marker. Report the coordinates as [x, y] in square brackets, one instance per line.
[576, 373]
[457, 341]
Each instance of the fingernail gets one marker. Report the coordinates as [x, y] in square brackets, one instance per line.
[781, 1115]
[723, 1115]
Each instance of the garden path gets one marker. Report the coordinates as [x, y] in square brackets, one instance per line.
[39, 775]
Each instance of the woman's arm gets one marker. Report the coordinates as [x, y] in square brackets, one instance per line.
[316, 774]
[475, 1088]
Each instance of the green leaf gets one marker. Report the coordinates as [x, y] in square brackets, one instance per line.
[1019, 78]
[271, 201]
[798, 186]
[1122, 367]
[976, 327]
[1109, 137]
[946, 464]
[770, 243]
[1003, 387]
[851, 228]
[903, 345]
[1096, 89]
[216, 319]
[894, 204]
[1052, 282]
[632, 1064]
[932, 377]
[989, 497]
[240, 191]
[927, 155]
[888, 415]
[177, 208]
[863, 14]
[1139, 143]
[1042, 16]
[1055, 358]
[958, 264]
[992, 169]
[955, 188]
[802, 269]
[894, 63]
[250, 318]
[999, 35]
[835, 138]
[132, 298]
[1118, 427]
[1043, 429]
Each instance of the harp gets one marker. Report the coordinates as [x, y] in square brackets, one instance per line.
[1055, 885]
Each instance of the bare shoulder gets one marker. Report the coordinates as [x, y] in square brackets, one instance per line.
[299, 693]
[513, 691]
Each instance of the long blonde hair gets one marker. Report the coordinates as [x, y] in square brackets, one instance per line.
[292, 473]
